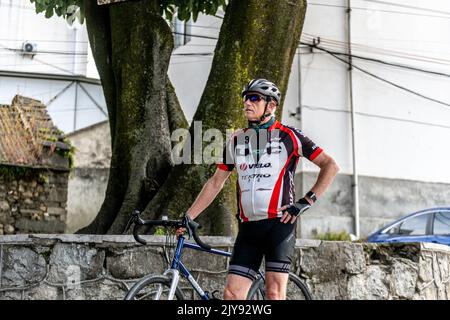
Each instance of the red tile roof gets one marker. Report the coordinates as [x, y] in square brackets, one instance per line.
[25, 127]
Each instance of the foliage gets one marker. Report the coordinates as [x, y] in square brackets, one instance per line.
[10, 173]
[334, 236]
[69, 9]
[66, 153]
[190, 8]
[160, 231]
[186, 9]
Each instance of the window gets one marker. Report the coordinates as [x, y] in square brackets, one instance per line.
[393, 230]
[442, 223]
[415, 226]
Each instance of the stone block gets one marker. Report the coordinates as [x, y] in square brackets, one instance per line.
[27, 194]
[135, 262]
[75, 261]
[57, 194]
[27, 213]
[347, 258]
[21, 266]
[202, 261]
[56, 211]
[104, 290]
[371, 285]
[40, 226]
[4, 206]
[403, 279]
[43, 292]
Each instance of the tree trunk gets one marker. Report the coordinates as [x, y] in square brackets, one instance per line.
[258, 39]
[132, 44]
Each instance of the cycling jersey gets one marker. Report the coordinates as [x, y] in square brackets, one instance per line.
[266, 160]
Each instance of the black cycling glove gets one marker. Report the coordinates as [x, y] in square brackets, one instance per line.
[298, 207]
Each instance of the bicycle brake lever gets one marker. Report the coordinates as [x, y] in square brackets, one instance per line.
[134, 215]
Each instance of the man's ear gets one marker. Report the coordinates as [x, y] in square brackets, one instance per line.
[273, 106]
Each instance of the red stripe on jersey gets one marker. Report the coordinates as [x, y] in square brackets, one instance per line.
[223, 167]
[273, 205]
[293, 138]
[315, 154]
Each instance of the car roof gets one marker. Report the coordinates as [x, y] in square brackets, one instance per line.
[428, 210]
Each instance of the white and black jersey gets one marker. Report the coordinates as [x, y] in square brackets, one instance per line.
[266, 160]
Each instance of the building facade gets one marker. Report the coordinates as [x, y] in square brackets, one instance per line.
[368, 84]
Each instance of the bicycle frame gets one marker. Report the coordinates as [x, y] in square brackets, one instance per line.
[178, 267]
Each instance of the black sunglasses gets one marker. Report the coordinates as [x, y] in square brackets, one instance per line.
[253, 97]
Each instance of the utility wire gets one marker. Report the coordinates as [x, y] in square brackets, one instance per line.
[407, 6]
[445, 104]
[313, 108]
[377, 10]
[381, 61]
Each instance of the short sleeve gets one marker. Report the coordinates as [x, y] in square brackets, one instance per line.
[228, 163]
[308, 148]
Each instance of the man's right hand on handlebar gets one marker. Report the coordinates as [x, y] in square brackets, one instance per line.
[181, 231]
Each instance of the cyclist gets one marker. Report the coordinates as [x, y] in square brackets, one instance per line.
[265, 156]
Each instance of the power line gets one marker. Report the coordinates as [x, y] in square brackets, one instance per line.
[39, 40]
[313, 108]
[195, 36]
[407, 6]
[385, 62]
[382, 51]
[73, 53]
[378, 10]
[445, 104]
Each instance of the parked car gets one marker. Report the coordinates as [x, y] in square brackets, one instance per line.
[429, 225]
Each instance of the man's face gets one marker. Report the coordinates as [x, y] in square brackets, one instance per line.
[254, 104]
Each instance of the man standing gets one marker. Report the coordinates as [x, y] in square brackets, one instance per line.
[265, 156]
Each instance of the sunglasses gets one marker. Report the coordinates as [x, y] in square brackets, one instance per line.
[253, 97]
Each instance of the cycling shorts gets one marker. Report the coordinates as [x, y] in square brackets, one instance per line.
[268, 238]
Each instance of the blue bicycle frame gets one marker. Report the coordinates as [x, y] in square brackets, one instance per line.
[178, 266]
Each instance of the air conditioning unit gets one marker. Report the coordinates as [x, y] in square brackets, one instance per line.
[29, 48]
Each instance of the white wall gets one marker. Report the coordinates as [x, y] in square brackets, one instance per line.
[56, 41]
[388, 148]
[61, 50]
[399, 135]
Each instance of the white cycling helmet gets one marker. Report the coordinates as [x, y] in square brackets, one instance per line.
[264, 87]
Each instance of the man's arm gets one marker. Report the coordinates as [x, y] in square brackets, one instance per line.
[209, 192]
[328, 170]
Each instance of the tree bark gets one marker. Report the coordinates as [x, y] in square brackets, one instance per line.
[132, 47]
[258, 39]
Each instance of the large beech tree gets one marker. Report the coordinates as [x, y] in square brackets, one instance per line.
[132, 44]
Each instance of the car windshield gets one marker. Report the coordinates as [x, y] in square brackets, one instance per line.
[442, 223]
[414, 226]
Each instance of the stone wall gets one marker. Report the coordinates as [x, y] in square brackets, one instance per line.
[104, 267]
[36, 203]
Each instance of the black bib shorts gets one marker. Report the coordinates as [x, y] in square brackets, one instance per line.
[268, 238]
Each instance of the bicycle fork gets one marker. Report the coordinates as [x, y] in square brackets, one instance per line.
[175, 276]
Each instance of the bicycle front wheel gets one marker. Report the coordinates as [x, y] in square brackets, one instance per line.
[296, 289]
[153, 288]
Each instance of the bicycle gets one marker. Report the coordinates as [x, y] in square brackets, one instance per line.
[165, 286]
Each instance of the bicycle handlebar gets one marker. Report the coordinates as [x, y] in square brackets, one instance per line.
[190, 225]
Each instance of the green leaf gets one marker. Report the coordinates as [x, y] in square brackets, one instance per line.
[49, 12]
